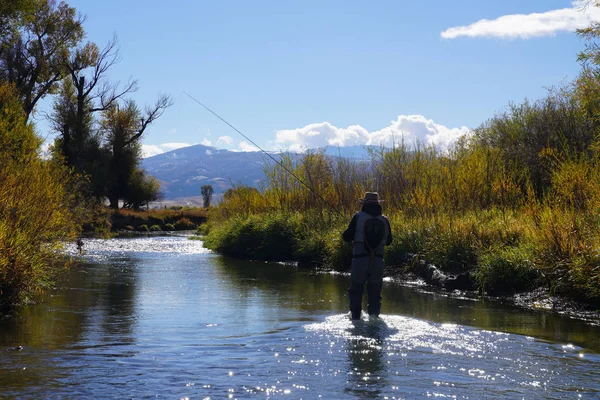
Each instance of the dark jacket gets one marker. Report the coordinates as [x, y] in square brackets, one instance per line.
[371, 209]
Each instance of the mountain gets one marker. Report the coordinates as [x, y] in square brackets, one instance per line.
[184, 171]
[352, 152]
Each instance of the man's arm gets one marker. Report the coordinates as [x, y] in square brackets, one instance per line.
[348, 234]
[389, 238]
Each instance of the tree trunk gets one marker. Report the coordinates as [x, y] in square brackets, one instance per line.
[114, 202]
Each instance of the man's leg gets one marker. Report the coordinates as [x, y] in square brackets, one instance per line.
[355, 292]
[374, 286]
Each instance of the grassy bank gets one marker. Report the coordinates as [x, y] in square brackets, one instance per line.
[504, 253]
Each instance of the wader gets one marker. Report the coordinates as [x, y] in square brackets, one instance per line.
[367, 268]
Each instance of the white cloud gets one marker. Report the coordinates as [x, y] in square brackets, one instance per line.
[149, 150]
[320, 135]
[206, 142]
[407, 128]
[173, 131]
[45, 150]
[525, 26]
[244, 146]
[228, 140]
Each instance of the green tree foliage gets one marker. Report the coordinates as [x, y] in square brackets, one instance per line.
[207, 192]
[78, 144]
[84, 93]
[104, 151]
[142, 190]
[12, 13]
[34, 51]
[35, 217]
[123, 127]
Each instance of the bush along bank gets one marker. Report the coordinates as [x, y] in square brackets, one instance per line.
[273, 237]
[154, 220]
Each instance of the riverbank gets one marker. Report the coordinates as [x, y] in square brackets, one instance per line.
[539, 299]
[109, 222]
[493, 253]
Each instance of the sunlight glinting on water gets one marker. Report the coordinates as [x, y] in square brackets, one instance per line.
[101, 248]
[393, 341]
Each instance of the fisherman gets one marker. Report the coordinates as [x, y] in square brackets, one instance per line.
[80, 245]
[369, 231]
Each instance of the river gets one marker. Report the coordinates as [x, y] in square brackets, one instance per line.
[162, 317]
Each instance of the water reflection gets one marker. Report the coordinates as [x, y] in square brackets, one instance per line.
[117, 300]
[301, 289]
[489, 314]
[368, 374]
[95, 304]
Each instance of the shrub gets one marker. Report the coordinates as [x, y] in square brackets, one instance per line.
[124, 217]
[129, 228]
[234, 237]
[584, 278]
[452, 250]
[506, 270]
[154, 220]
[35, 218]
[515, 200]
[143, 228]
[184, 224]
[410, 239]
[169, 227]
[260, 237]
[339, 253]
[311, 249]
[155, 228]
[202, 230]
[279, 236]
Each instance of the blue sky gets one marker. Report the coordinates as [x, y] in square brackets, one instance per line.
[297, 74]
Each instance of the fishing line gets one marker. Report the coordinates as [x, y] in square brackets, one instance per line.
[269, 155]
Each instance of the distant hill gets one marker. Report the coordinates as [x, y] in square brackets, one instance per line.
[352, 152]
[184, 171]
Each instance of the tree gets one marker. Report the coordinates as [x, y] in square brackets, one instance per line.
[207, 192]
[123, 126]
[33, 55]
[142, 189]
[35, 215]
[12, 13]
[84, 93]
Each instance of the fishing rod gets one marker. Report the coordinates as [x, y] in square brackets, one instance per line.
[269, 155]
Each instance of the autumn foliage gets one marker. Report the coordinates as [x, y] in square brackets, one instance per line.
[35, 214]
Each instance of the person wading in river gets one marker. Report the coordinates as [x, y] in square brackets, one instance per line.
[369, 231]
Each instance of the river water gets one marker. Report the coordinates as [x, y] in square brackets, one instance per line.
[162, 317]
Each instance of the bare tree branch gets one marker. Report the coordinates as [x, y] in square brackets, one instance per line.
[152, 113]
